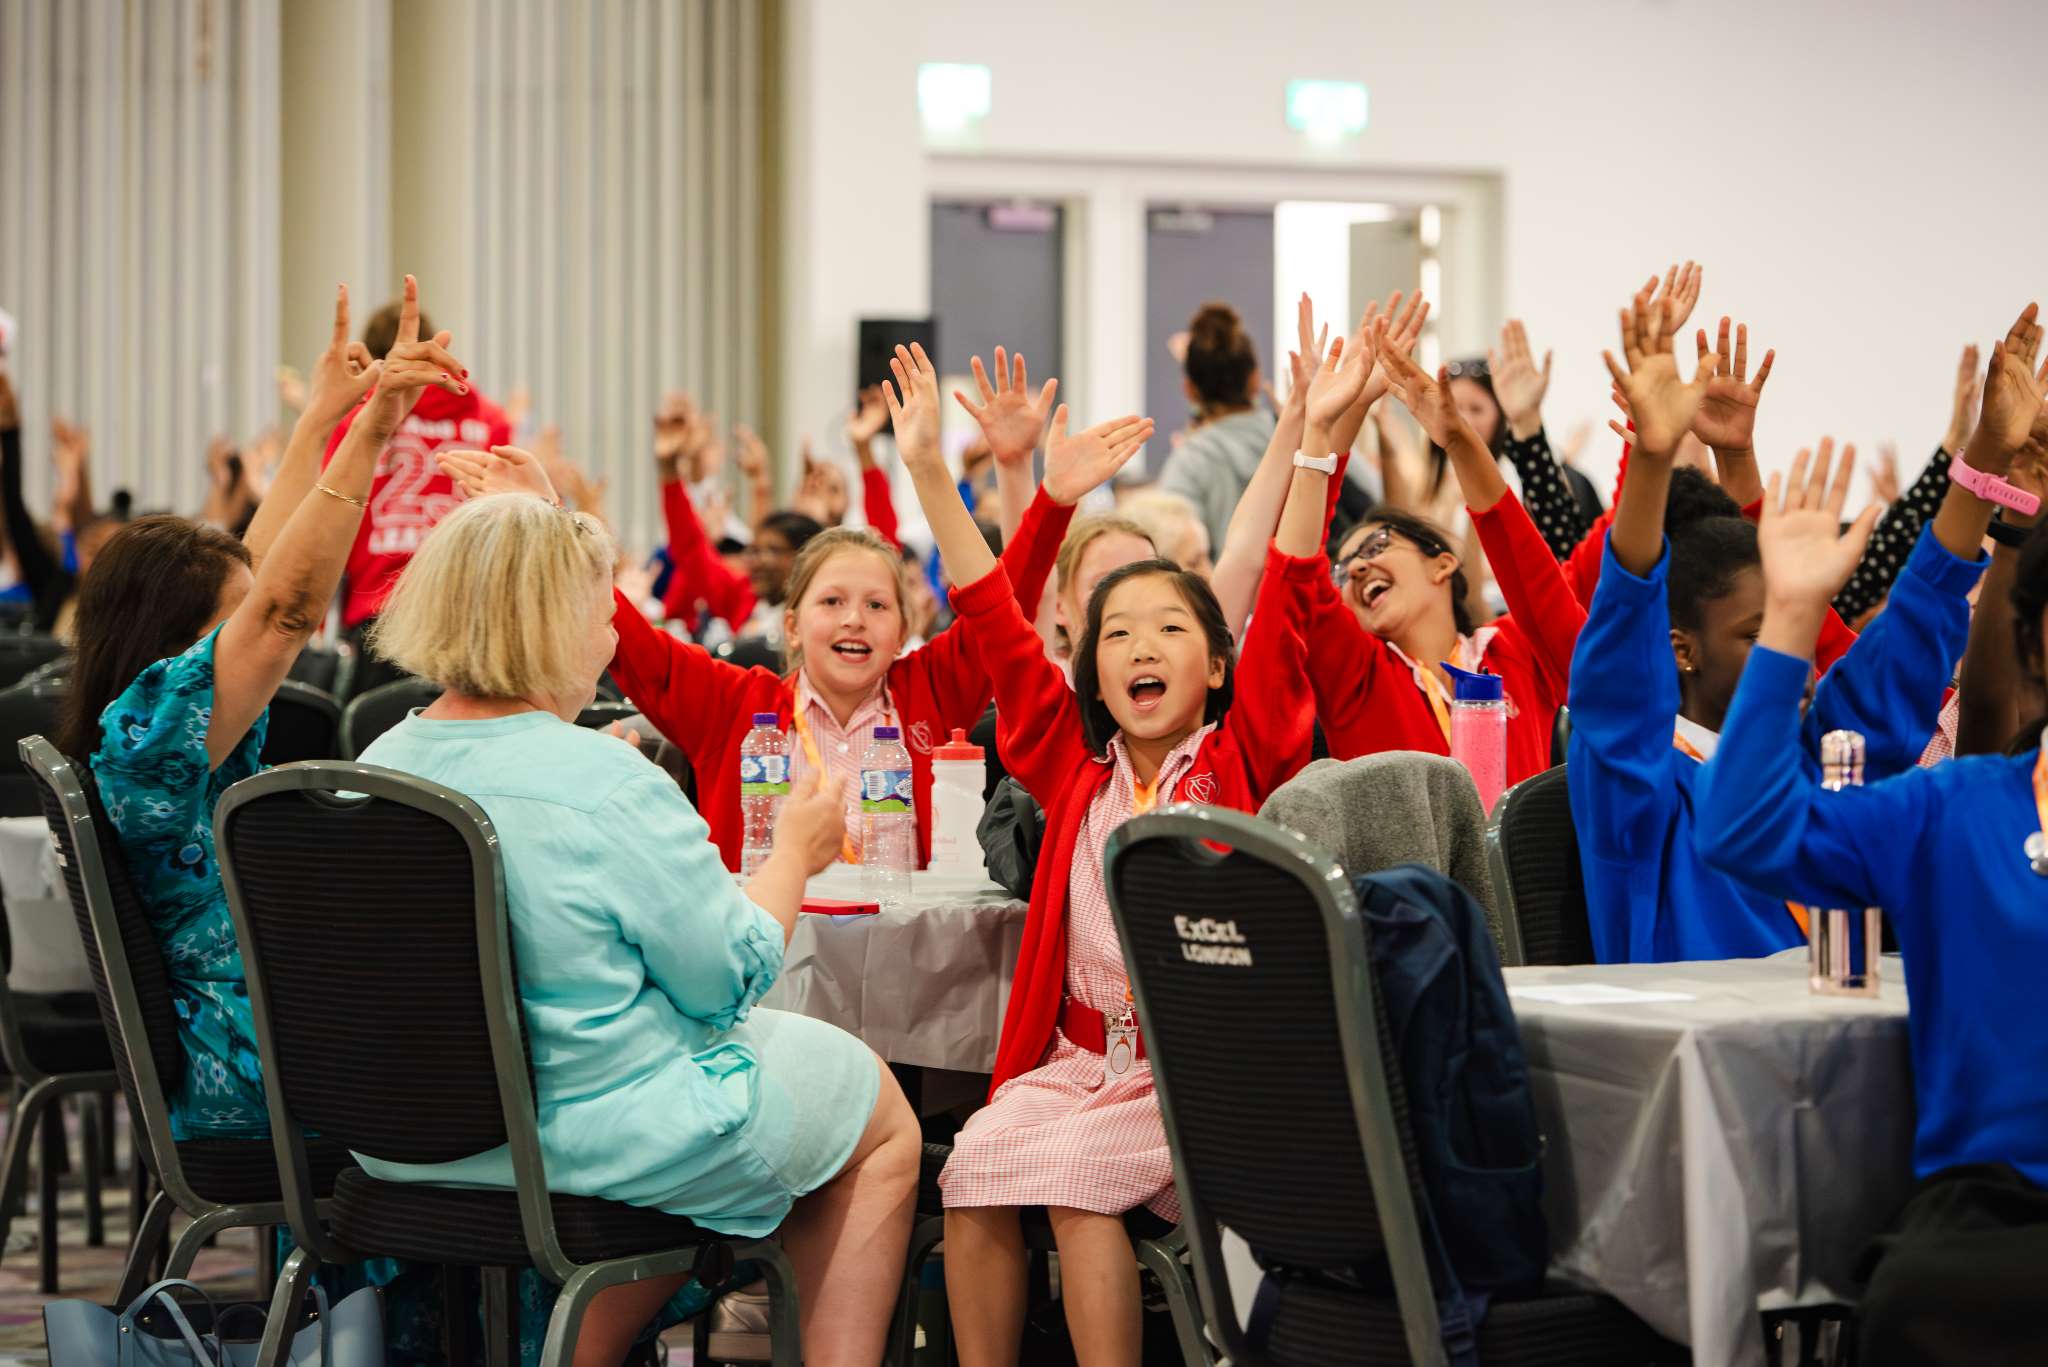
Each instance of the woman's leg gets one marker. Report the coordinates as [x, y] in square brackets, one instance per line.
[1099, 1286]
[985, 1283]
[616, 1316]
[847, 1239]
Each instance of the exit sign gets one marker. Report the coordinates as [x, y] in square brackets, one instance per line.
[1328, 111]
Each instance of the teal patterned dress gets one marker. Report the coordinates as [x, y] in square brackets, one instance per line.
[160, 793]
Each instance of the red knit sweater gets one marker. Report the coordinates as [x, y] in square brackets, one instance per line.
[1257, 747]
[1367, 698]
[706, 706]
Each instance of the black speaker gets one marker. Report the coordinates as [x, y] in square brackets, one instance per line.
[879, 338]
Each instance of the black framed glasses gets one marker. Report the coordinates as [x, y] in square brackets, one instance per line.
[1375, 545]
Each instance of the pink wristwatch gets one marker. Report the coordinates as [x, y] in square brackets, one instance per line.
[1992, 489]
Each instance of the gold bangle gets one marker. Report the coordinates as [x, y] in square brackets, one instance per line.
[336, 493]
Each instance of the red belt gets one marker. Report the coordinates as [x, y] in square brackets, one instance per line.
[1083, 1025]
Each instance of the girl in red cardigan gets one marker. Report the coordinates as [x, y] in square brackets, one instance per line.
[1381, 632]
[1073, 1123]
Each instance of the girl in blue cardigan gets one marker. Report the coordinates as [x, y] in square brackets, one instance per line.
[1954, 855]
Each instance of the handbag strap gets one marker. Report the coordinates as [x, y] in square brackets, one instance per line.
[319, 1294]
[161, 1292]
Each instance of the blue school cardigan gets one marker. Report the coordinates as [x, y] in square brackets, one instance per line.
[1942, 851]
[1650, 896]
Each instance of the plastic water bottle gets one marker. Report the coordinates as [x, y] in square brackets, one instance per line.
[1479, 731]
[888, 818]
[959, 778]
[764, 783]
[1845, 946]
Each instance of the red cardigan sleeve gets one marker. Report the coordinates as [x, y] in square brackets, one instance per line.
[1039, 733]
[698, 574]
[948, 667]
[1540, 602]
[689, 696]
[1273, 716]
[878, 503]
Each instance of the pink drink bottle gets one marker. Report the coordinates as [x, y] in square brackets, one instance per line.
[1479, 731]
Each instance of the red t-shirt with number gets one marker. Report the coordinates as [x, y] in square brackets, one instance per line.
[410, 494]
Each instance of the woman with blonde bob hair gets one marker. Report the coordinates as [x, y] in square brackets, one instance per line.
[658, 1080]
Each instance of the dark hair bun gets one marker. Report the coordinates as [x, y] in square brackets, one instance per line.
[1221, 358]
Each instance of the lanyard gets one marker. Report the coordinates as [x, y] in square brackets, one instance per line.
[799, 716]
[1686, 747]
[1433, 687]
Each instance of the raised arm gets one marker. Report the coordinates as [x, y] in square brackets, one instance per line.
[1520, 386]
[341, 376]
[1988, 693]
[45, 578]
[1726, 420]
[1014, 424]
[1662, 407]
[295, 581]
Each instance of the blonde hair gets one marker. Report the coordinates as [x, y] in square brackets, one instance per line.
[494, 602]
[1168, 519]
[812, 558]
[1085, 532]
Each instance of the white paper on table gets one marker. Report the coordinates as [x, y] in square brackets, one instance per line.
[1594, 994]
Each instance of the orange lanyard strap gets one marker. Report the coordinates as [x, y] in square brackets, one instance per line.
[1686, 747]
[2041, 787]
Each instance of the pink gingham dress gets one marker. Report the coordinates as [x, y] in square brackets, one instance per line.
[841, 747]
[1062, 1134]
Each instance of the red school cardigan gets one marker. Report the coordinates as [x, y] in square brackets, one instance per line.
[1258, 746]
[696, 574]
[706, 706]
[1368, 700]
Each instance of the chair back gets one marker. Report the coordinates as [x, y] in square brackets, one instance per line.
[1535, 851]
[305, 723]
[327, 668]
[29, 708]
[604, 712]
[22, 655]
[1561, 736]
[1255, 994]
[129, 975]
[370, 715]
[403, 928]
[749, 652]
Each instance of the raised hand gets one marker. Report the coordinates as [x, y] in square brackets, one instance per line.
[1661, 404]
[672, 423]
[1678, 292]
[914, 408]
[501, 470]
[1427, 397]
[1011, 419]
[1074, 465]
[411, 366]
[1969, 394]
[345, 372]
[2012, 395]
[1726, 419]
[1339, 382]
[753, 455]
[1807, 556]
[69, 448]
[869, 418]
[1517, 383]
[1885, 485]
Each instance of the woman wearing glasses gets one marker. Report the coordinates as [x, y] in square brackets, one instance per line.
[1394, 614]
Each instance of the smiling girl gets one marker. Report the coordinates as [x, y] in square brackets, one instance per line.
[1073, 1123]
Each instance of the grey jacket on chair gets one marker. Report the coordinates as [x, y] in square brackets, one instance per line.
[1377, 811]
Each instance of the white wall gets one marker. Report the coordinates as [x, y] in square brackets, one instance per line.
[1860, 180]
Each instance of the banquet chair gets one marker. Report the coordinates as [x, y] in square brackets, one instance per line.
[1561, 736]
[369, 715]
[1534, 850]
[305, 723]
[330, 669]
[26, 709]
[420, 936]
[20, 655]
[604, 712]
[1248, 1046]
[749, 652]
[52, 1050]
[219, 1184]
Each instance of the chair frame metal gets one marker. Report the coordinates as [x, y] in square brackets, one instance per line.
[36, 1117]
[325, 781]
[154, 1123]
[1365, 1069]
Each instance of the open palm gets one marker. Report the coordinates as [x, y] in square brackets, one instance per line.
[1011, 419]
[1074, 465]
[2012, 389]
[1727, 416]
[1807, 555]
[1661, 404]
[1429, 399]
[914, 407]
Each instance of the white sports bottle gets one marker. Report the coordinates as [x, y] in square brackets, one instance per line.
[959, 778]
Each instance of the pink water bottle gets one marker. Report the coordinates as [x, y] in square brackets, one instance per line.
[1479, 731]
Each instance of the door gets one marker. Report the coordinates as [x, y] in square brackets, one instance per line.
[1191, 257]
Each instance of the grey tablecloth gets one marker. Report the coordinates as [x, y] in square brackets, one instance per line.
[924, 985]
[42, 933]
[1710, 1158]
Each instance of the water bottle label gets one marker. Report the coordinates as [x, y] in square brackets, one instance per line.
[764, 775]
[886, 790]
